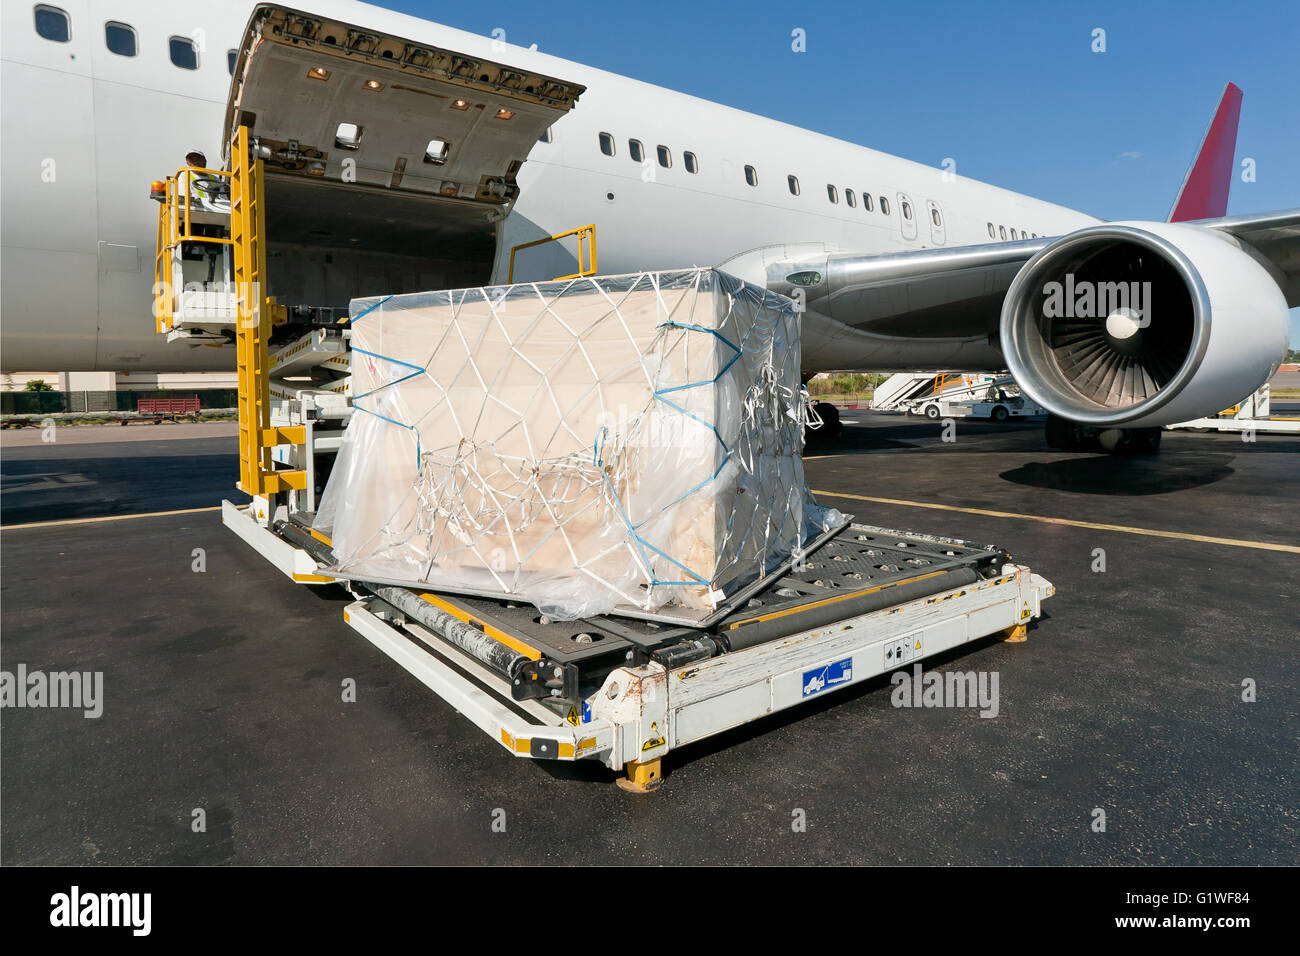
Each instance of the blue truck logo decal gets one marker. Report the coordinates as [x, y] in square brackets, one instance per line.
[829, 675]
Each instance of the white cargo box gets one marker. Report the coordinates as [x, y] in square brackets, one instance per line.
[625, 441]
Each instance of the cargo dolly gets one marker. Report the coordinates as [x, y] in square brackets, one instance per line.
[625, 692]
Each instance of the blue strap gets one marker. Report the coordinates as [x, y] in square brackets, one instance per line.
[364, 312]
[416, 370]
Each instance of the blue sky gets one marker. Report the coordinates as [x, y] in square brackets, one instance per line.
[1012, 91]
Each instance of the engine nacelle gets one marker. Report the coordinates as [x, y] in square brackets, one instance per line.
[1138, 324]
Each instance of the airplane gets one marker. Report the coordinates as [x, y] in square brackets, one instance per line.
[403, 155]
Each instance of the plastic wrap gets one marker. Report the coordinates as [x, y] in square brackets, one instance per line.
[581, 445]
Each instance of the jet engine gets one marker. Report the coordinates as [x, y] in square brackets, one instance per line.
[1140, 324]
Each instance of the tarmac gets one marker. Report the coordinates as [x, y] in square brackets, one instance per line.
[222, 681]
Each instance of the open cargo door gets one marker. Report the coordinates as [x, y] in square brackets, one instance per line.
[389, 162]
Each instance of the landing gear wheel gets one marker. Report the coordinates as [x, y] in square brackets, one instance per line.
[1146, 441]
[1062, 434]
[1130, 441]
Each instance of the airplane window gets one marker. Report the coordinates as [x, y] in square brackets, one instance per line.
[751, 175]
[1013, 234]
[692, 165]
[546, 137]
[866, 201]
[907, 210]
[119, 38]
[850, 198]
[934, 217]
[635, 150]
[665, 157]
[607, 144]
[232, 57]
[53, 24]
[184, 53]
[1002, 231]
[884, 206]
[993, 233]
[832, 193]
[793, 183]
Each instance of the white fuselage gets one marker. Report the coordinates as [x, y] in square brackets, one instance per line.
[86, 130]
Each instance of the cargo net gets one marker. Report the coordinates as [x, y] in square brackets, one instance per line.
[630, 441]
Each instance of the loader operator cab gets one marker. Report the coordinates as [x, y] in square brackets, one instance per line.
[212, 193]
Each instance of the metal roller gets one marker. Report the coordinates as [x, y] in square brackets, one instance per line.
[478, 645]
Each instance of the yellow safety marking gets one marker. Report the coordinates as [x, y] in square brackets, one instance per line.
[566, 750]
[572, 716]
[523, 746]
[830, 600]
[586, 743]
[71, 521]
[346, 618]
[655, 741]
[1073, 523]
[312, 579]
[319, 537]
[461, 614]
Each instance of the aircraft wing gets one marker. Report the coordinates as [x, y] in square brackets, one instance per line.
[941, 293]
[958, 292]
[1275, 236]
[1211, 328]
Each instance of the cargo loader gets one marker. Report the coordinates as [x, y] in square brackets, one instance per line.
[624, 689]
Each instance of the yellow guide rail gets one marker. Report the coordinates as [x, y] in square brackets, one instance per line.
[586, 242]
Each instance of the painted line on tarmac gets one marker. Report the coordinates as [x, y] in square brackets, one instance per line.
[72, 521]
[1071, 522]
